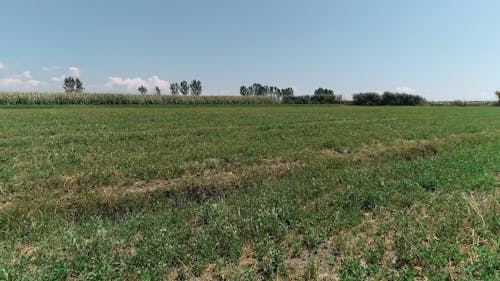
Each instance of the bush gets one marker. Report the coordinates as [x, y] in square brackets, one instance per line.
[367, 99]
[388, 98]
[315, 99]
[297, 100]
[109, 99]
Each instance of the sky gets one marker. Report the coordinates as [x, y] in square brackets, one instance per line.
[440, 49]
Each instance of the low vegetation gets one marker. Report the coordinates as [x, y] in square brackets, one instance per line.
[96, 99]
[275, 192]
[314, 99]
[387, 98]
[321, 96]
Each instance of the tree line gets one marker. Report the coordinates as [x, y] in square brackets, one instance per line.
[73, 85]
[265, 91]
[194, 88]
[387, 98]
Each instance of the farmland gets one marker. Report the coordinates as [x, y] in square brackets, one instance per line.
[249, 192]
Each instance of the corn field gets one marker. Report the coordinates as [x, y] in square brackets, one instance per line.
[96, 99]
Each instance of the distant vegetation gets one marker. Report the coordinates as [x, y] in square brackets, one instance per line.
[321, 96]
[272, 94]
[388, 98]
[96, 99]
[266, 91]
[73, 85]
[143, 90]
[184, 88]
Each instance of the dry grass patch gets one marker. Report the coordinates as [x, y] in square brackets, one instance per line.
[404, 149]
[206, 182]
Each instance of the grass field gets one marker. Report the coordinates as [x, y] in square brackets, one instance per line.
[249, 193]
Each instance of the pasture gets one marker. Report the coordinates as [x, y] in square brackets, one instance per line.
[249, 192]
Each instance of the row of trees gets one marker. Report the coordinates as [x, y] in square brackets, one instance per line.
[387, 98]
[184, 88]
[265, 91]
[73, 85]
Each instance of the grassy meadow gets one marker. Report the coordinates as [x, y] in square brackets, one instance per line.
[249, 192]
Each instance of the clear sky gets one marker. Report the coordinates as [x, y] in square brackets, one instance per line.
[441, 49]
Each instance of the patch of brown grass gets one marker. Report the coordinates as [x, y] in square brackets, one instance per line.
[402, 148]
[207, 182]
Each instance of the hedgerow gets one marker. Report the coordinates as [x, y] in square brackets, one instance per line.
[388, 98]
[314, 99]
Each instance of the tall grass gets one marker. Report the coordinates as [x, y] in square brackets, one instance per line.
[109, 99]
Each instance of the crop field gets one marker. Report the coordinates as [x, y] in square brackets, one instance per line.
[249, 192]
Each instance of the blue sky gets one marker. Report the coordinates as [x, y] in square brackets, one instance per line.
[442, 49]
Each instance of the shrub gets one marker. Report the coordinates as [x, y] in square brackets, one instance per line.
[315, 99]
[367, 99]
[388, 98]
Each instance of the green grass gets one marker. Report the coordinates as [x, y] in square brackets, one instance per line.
[249, 193]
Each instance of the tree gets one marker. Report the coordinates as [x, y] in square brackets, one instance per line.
[196, 88]
[79, 86]
[158, 91]
[326, 92]
[72, 85]
[288, 92]
[184, 88]
[175, 88]
[143, 90]
[244, 91]
[261, 90]
[498, 95]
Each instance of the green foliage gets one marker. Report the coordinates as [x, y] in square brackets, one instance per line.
[73, 85]
[270, 91]
[184, 88]
[315, 99]
[109, 99]
[323, 92]
[143, 90]
[353, 271]
[388, 98]
[196, 88]
[367, 99]
[244, 91]
[175, 89]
